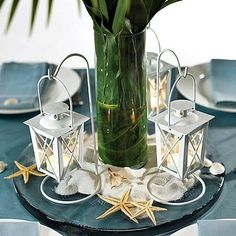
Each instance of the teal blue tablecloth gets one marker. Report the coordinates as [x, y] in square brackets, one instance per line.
[14, 137]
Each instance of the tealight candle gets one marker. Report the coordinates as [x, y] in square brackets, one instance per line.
[163, 87]
[172, 164]
[50, 162]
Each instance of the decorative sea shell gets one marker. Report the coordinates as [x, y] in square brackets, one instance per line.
[207, 163]
[3, 166]
[217, 168]
[115, 178]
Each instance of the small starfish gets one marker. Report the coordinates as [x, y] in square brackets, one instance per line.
[118, 204]
[115, 178]
[25, 171]
[148, 208]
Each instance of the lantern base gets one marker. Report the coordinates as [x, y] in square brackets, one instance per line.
[52, 198]
[177, 203]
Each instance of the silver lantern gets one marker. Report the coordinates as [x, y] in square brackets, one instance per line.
[158, 80]
[57, 134]
[181, 133]
[164, 74]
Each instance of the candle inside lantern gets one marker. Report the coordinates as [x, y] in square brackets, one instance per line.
[173, 164]
[152, 93]
[170, 152]
[51, 165]
[133, 117]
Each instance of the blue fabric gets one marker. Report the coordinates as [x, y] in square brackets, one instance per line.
[216, 227]
[18, 84]
[19, 228]
[223, 81]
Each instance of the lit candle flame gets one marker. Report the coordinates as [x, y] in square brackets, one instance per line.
[133, 117]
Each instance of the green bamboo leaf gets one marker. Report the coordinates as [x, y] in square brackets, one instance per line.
[12, 13]
[103, 8]
[1, 3]
[168, 2]
[95, 15]
[33, 14]
[50, 3]
[148, 5]
[94, 3]
[119, 19]
[79, 6]
[156, 5]
[140, 20]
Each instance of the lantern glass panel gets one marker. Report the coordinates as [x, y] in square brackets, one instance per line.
[195, 150]
[163, 92]
[170, 151]
[70, 150]
[44, 152]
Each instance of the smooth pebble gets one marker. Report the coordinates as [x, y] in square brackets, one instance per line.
[217, 168]
[3, 166]
[207, 163]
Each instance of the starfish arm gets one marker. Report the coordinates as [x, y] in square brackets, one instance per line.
[26, 176]
[109, 211]
[149, 202]
[154, 208]
[140, 212]
[110, 200]
[129, 204]
[36, 173]
[127, 212]
[126, 208]
[138, 204]
[125, 197]
[16, 174]
[151, 216]
[32, 167]
[19, 166]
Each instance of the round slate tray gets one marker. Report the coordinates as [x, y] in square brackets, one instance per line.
[81, 217]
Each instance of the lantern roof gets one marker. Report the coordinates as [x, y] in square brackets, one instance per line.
[78, 119]
[182, 125]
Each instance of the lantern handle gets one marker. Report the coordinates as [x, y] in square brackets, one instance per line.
[90, 99]
[157, 38]
[158, 71]
[186, 74]
[53, 77]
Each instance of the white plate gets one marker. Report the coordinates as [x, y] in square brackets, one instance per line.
[219, 225]
[203, 93]
[191, 230]
[55, 91]
[44, 230]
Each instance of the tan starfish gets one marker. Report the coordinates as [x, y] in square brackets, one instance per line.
[115, 178]
[148, 208]
[118, 204]
[25, 171]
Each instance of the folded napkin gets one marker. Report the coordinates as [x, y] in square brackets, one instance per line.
[223, 81]
[21, 228]
[18, 84]
[217, 227]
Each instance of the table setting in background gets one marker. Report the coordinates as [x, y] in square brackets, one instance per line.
[18, 84]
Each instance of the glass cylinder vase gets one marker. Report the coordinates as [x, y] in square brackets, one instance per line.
[121, 98]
